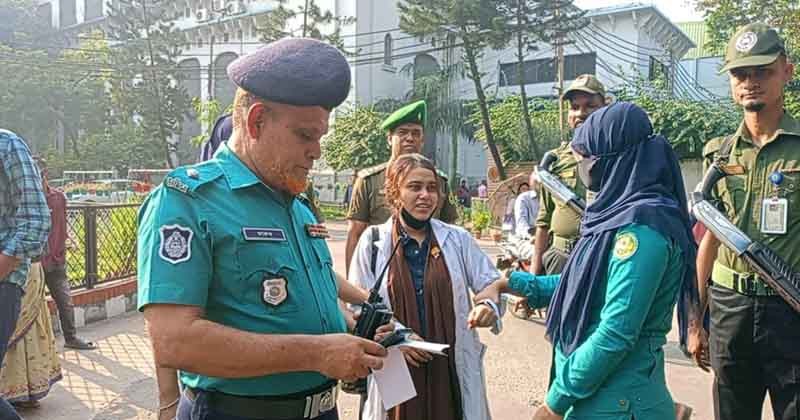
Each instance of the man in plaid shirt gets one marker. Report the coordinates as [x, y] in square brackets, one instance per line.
[24, 226]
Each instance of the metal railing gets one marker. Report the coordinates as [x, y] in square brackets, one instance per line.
[101, 243]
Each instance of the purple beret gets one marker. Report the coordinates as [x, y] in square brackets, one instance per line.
[294, 71]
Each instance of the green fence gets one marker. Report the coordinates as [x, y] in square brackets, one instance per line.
[101, 243]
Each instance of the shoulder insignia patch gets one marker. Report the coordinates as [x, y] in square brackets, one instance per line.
[176, 184]
[176, 243]
[372, 170]
[625, 246]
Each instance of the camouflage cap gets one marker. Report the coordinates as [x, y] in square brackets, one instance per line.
[587, 83]
[755, 44]
[411, 113]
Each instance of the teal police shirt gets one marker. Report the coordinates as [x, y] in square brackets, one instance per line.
[214, 236]
[618, 371]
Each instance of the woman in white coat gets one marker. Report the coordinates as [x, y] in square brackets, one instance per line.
[427, 287]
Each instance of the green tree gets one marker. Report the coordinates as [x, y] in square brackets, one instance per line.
[475, 25]
[46, 88]
[724, 17]
[687, 124]
[146, 88]
[356, 140]
[446, 110]
[308, 21]
[208, 112]
[511, 131]
[532, 22]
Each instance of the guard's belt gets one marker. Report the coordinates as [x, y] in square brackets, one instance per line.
[305, 405]
[563, 244]
[748, 284]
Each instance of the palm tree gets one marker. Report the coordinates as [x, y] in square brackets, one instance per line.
[447, 112]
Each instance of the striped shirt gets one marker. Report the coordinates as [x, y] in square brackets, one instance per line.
[24, 215]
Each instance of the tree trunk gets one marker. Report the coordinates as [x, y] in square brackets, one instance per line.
[526, 115]
[453, 159]
[161, 133]
[475, 75]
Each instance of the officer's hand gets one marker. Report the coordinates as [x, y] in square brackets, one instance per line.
[481, 316]
[697, 345]
[416, 357]
[384, 330]
[347, 357]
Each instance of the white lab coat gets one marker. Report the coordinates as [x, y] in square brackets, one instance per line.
[470, 269]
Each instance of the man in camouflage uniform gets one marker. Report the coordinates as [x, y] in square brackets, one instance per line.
[405, 134]
[585, 95]
[754, 334]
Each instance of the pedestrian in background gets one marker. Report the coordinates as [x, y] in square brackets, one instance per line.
[24, 226]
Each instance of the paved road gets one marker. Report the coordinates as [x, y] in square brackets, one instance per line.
[116, 381]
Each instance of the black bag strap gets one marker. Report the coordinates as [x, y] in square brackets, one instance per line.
[373, 262]
[724, 153]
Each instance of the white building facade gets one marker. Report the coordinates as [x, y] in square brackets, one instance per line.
[619, 45]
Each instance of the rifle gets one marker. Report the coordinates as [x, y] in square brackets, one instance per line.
[769, 266]
[556, 187]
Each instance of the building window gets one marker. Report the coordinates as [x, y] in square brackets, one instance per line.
[225, 37]
[187, 13]
[387, 49]
[544, 70]
[199, 42]
[93, 9]
[657, 69]
[240, 35]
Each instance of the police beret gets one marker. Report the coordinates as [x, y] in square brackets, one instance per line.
[411, 113]
[294, 71]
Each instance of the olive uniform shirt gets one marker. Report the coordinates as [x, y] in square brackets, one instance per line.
[368, 203]
[554, 215]
[741, 196]
[214, 236]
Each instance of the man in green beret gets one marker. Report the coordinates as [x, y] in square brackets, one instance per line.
[754, 334]
[405, 134]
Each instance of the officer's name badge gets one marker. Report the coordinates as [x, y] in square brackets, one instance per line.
[625, 246]
[176, 243]
[263, 234]
[317, 231]
[274, 290]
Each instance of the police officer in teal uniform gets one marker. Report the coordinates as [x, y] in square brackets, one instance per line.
[611, 308]
[237, 290]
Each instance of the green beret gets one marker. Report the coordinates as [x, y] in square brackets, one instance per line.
[411, 113]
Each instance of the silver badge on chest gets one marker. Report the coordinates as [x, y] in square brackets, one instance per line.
[274, 290]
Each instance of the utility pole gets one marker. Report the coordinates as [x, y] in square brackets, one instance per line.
[305, 20]
[560, 64]
[211, 67]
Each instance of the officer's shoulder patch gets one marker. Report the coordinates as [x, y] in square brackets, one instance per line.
[176, 243]
[625, 246]
[187, 179]
[712, 146]
[372, 170]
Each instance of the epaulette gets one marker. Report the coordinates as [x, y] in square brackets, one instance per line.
[372, 170]
[187, 179]
[712, 147]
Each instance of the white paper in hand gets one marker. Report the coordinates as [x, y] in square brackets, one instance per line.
[394, 380]
[434, 348]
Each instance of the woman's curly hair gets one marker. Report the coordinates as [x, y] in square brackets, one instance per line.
[397, 172]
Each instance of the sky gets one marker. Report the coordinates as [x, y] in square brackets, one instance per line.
[674, 10]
